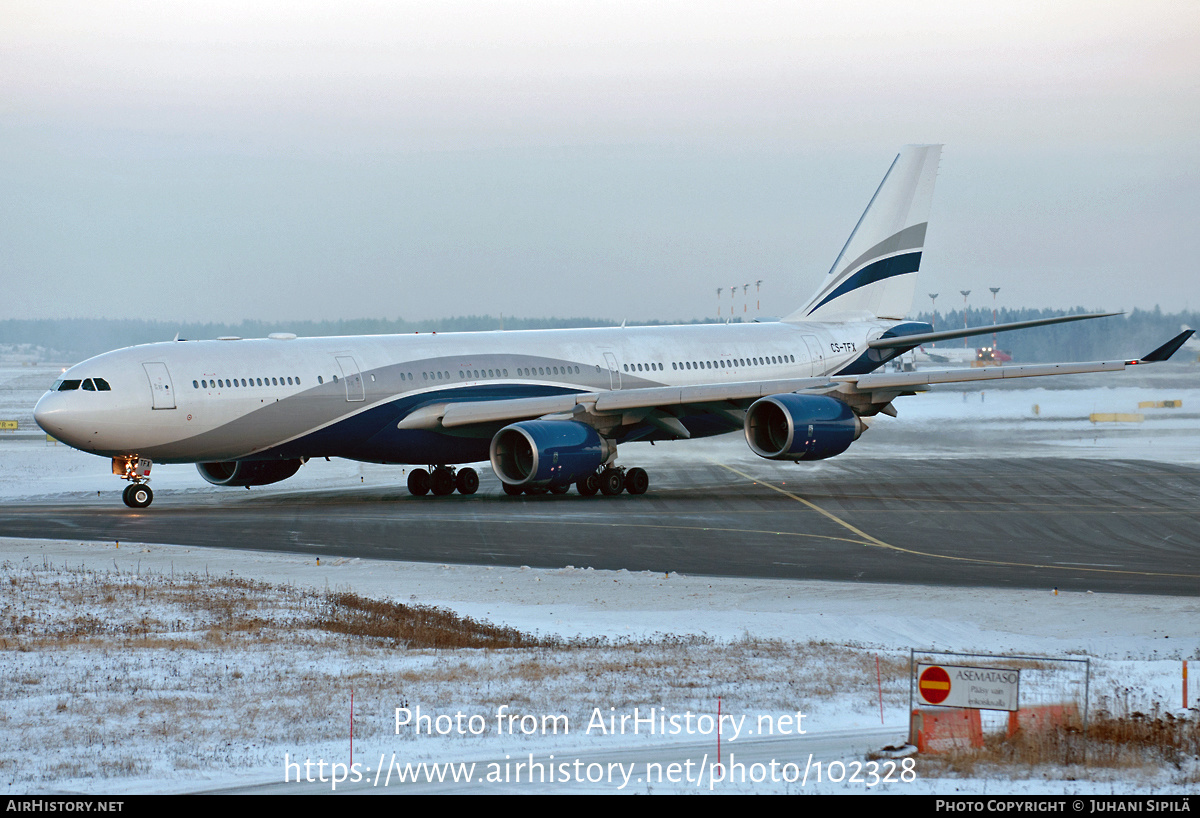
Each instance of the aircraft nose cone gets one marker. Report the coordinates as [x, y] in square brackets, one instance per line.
[56, 418]
[41, 413]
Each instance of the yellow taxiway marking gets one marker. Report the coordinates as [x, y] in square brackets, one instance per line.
[868, 540]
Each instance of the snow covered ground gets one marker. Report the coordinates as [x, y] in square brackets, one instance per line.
[109, 716]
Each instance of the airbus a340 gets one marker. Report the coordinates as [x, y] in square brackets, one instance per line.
[548, 408]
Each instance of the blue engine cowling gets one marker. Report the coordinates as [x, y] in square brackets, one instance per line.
[801, 427]
[248, 472]
[545, 452]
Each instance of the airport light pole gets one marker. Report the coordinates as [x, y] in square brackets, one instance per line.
[994, 291]
[965, 293]
[933, 319]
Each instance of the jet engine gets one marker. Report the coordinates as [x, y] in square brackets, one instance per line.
[248, 472]
[801, 427]
[547, 452]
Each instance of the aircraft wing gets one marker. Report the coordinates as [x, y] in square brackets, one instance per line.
[660, 405]
[617, 402]
[886, 380]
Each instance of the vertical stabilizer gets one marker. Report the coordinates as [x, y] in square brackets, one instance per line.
[876, 272]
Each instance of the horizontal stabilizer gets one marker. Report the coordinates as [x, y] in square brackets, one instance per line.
[910, 341]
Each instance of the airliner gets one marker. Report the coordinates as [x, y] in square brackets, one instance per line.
[547, 408]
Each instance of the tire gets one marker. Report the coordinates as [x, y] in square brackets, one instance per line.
[467, 481]
[612, 482]
[137, 495]
[588, 486]
[418, 482]
[442, 482]
[637, 481]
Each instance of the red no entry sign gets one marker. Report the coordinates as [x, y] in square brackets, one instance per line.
[934, 685]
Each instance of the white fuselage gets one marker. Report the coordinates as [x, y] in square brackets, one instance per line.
[197, 401]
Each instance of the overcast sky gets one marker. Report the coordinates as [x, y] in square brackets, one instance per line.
[301, 160]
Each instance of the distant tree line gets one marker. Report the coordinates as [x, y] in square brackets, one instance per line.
[1136, 333]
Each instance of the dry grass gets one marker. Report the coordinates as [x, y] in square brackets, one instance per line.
[126, 674]
[1129, 742]
[217, 610]
[415, 626]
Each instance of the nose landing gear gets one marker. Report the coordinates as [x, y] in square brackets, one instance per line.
[137, 471]
[137, 495]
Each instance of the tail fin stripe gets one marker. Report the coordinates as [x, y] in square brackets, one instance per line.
[877, 271]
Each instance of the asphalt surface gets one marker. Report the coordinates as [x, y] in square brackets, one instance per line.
[1113, 526]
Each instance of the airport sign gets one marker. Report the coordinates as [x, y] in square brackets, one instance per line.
[977, 688]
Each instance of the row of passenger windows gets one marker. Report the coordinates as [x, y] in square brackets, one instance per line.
[531, 371]
[89, 385]
[726, 364]
[479, 374]
[467, 374]
[229, 383]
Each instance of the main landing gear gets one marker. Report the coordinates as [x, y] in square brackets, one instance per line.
[610, 482]
[443, 480]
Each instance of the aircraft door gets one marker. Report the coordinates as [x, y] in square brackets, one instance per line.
[614, 372]
[351, 377]
[815, 354]
[162, 395]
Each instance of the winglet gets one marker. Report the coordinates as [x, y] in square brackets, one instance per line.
[1166, 350]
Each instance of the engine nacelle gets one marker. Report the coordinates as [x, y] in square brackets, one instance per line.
[248, 472]
[801, 427]
[545, 452]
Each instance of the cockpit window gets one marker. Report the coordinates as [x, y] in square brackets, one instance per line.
[88, 386]
[102, 385]
[68, 385]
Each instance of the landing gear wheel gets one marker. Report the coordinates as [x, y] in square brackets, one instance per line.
[137, 495]
[637, 481]
[467, 481]
[442, 481]
[560, 489]
[418, 482]
[612, 482]
[511, 490]
[588, 486]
